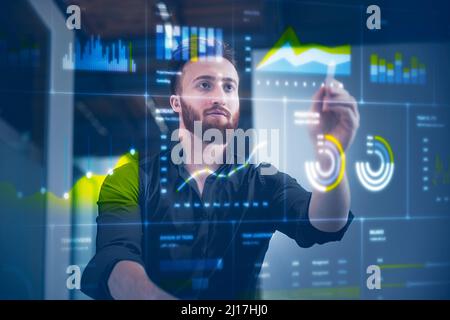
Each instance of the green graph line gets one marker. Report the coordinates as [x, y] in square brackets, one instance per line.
[130, 58]
[402, 266]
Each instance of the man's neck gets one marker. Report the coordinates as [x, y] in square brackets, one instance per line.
[201, 158]
[202, 155]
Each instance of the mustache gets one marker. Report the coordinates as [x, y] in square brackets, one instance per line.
[218, 109]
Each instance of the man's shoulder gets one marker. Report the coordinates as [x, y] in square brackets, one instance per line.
[121, 184]
[125, 178]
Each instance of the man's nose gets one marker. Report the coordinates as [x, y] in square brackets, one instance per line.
[218, 96]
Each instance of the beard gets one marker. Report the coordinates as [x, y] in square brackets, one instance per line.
[189, 116]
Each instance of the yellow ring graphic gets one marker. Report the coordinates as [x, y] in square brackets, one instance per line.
[336, 142]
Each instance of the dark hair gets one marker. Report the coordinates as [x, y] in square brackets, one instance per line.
[227, 52]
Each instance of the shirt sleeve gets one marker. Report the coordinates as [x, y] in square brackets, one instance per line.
[290, 206]
[119, 229]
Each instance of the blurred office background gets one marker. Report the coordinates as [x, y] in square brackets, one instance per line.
[75, 104]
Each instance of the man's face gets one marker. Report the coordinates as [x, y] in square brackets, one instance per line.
[209, 93]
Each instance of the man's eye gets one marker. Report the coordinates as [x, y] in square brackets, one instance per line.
[205, 85]
[228, 87]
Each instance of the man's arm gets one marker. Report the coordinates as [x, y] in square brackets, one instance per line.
[328, 211]
[116, 271]
[129, 281]
[339, 117]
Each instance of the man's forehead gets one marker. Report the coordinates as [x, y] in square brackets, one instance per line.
[212, 69]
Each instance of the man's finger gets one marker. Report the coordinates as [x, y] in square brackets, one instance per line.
[317, 100]
[336, 88]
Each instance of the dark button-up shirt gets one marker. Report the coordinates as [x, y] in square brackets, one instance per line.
[207, 246]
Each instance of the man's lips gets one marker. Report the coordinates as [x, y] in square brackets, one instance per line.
[218, 112]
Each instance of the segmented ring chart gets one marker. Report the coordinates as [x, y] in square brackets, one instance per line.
[327, 180]
[376, 180]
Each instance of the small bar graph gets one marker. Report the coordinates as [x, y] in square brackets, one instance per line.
[200, 42]
[95, 56]
[382, 71]
[25, 53]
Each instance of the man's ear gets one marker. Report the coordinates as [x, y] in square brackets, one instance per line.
[175, 103]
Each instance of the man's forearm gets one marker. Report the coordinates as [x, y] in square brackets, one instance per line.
[129, 281]
[328, 211]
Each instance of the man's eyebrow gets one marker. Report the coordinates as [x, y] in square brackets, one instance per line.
[212, 78]
[204, 77]
[230, 80]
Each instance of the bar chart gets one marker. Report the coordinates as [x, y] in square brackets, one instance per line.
[25, 53]
[196, 43]
[398, 72]
[95, 56]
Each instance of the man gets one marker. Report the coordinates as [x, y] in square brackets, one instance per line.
[194, 230]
